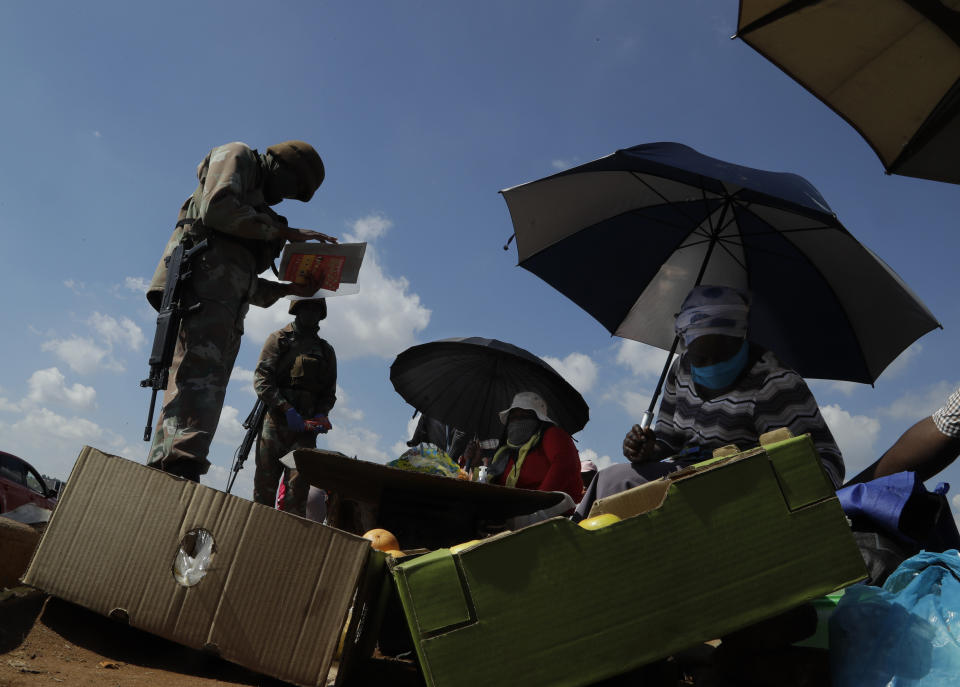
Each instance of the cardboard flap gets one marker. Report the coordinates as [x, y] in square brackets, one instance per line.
[440, 601]
[636, 501]
[799, 472]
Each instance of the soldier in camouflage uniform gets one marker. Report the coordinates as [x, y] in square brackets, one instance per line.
[296, 378]
[230, 208]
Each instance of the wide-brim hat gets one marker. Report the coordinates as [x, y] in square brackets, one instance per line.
[296, 301]
[527, 400]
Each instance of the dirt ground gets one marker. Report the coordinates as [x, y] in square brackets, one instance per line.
[47, 642]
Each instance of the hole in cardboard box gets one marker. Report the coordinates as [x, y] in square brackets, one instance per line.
[193, 559]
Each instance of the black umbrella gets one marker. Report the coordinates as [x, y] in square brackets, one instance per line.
[627, 236]
[465, 382]
[891, 68]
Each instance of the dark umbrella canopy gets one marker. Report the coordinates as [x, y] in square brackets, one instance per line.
[466, 382]
[627, 236]
[891, 68]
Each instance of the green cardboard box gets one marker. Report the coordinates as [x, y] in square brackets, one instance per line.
[699, 554]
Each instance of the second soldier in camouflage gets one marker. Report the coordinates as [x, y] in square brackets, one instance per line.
[296, 378]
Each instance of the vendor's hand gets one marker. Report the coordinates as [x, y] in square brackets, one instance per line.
[294, 234]
[294, 420]
[639, 443]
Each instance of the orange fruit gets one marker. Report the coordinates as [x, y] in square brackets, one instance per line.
[382, 540]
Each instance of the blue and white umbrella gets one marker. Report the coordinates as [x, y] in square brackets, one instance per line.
[627, 236]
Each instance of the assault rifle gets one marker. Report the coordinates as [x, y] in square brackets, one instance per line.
[171, 312]
[252, 424]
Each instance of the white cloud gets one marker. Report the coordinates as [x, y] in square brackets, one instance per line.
[357, 441]
[113, 331]
[576, 368]
[51, 442]
[230, 431]
[561, 165]
[82, 354]
[369, 228]
[822, 387]
[47, 422]
[855, 435]
[136, 284]
[643, 360]
[600, 461]
[381, 320]
[634, 403]
[902, 361]
[917, 405]
[398, 448]
[243, 379]
[343, 409]
[9, 406]
[50, 385]
[75, 286]
[218, 476]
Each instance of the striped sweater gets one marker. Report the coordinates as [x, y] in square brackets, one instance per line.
[766, 397]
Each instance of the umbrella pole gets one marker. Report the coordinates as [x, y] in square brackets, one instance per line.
[647, 418]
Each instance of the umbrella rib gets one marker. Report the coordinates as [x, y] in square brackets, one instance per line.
[803, 257]
[667, 201]
[733, 257]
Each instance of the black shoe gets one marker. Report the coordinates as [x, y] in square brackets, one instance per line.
[188, 469]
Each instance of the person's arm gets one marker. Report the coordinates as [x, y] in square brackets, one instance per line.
[232, 171]
[232, 174]
[268, 292]
[564, 471]
[649, 445]
[265, 381]
[923, 448]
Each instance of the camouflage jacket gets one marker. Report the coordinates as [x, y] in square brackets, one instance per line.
[298, 368]
[228, 205]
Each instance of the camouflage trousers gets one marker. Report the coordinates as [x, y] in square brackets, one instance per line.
[276, 441]
[206, 350]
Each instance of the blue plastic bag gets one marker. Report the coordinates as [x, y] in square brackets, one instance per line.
[906, 633]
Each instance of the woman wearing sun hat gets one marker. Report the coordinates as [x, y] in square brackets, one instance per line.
[536, 454]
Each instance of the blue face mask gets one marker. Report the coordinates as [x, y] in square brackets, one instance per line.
[723, 374]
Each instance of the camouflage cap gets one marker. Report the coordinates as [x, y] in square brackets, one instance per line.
[297, 301]
[304, 161]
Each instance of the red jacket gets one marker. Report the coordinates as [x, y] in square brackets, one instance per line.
[551, 465]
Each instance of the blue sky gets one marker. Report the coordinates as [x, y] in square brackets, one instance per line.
[422, 111]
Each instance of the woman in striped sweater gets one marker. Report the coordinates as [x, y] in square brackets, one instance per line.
[722, 390]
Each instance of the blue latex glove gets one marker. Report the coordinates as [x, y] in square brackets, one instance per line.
[294, 420]
[321, 424]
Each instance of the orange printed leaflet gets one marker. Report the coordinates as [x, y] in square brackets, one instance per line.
[324, 270]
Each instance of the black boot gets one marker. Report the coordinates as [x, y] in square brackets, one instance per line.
[188, 469]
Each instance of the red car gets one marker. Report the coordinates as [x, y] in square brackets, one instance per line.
[20, 483]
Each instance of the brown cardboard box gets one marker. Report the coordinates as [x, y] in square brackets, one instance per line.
[276, 595]
[17, 542]
[423, 511]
